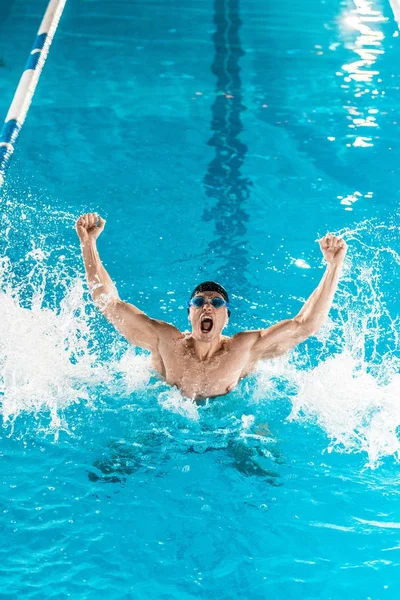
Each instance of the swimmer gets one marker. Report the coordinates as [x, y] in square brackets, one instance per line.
[204, 363]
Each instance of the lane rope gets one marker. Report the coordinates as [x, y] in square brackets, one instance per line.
[27, 84]
[395, 5]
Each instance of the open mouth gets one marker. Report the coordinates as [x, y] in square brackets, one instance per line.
[206, 324]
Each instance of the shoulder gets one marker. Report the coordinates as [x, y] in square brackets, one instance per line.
[165, 329]
[245, 339]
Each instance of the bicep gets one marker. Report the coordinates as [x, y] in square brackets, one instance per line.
[278, 339]
[134, 325]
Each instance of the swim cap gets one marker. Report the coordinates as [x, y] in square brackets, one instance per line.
[212, 286]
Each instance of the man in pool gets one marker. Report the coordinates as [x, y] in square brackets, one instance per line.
[204, 363]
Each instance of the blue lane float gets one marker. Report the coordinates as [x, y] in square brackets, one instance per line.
[395, 4]
[27, 84]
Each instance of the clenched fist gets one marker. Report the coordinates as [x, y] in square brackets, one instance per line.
[89, 226]
[333, 248]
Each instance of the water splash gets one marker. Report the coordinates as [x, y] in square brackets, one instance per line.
[356, 411]
[173, 400]
[53, 355]
[50, 358]
[50, 351]
[350, 384]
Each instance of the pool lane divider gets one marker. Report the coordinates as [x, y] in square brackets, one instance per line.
[395, 5]
[27, 84]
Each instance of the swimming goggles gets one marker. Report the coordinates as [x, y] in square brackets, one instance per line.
[200, 301]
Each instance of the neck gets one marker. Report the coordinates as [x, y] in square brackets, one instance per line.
[204, 350]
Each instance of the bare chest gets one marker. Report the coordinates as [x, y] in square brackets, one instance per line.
[196, 378]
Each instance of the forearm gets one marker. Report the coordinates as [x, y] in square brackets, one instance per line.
[101, 286]
[315, 311]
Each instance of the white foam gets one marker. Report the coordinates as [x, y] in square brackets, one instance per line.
[173, 401]
[348, 383]
[49, 358]
[36, 347]
[356, 411]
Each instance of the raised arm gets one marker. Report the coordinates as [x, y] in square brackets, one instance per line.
[132, 323]
[282, 337]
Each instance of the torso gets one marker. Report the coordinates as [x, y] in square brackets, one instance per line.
[177, 362]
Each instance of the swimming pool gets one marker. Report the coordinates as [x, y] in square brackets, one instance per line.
[219, 141]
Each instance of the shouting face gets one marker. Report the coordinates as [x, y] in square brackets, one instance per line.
[208, 321]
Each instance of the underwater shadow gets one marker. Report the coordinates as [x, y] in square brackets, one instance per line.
[120, 460]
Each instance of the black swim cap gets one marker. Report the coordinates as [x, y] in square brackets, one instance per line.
[212, 286]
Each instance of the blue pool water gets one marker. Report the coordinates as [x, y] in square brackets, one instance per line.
[219, 140]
